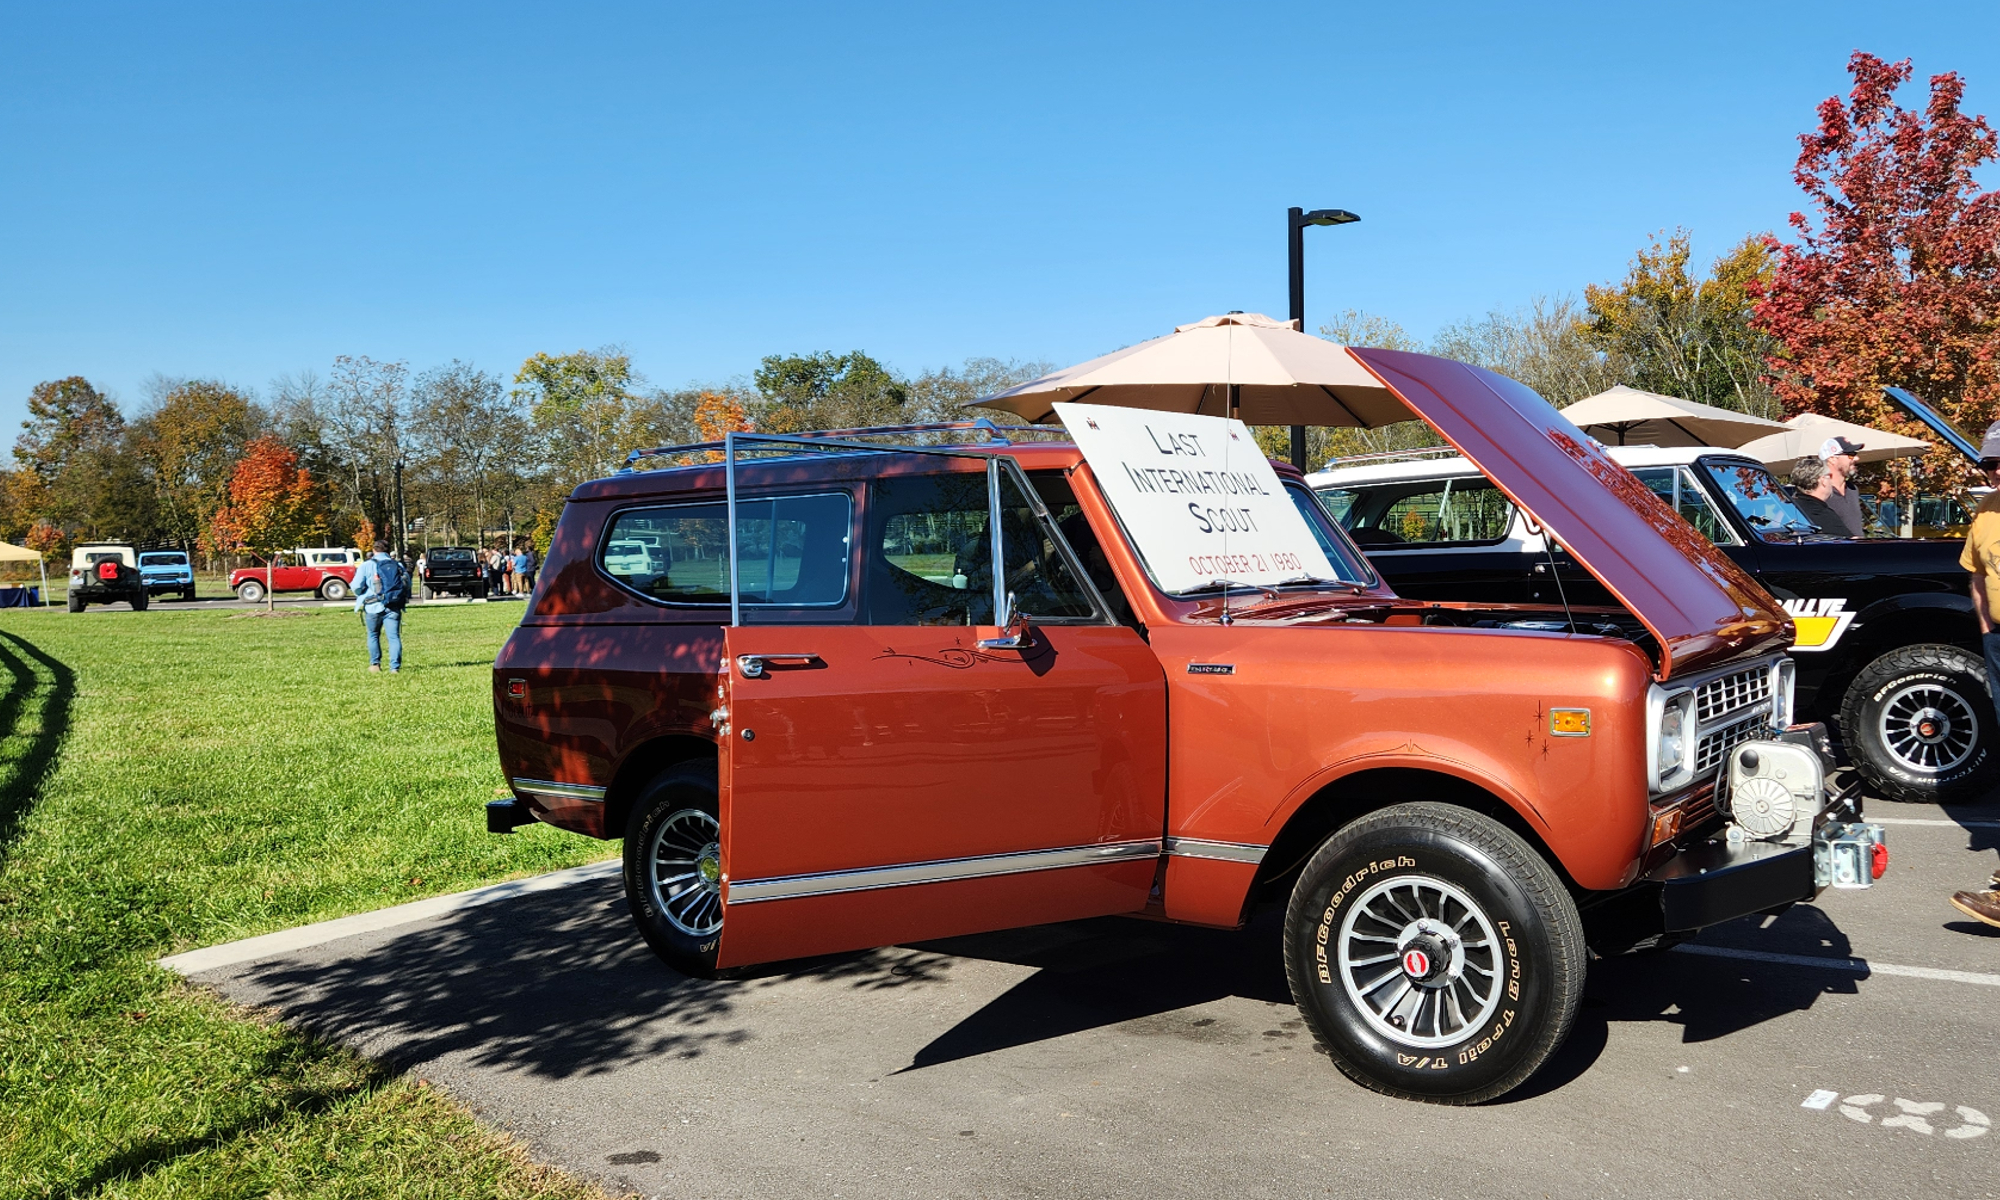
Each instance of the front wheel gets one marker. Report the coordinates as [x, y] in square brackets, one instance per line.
[673, 868]
[250, 591]
[333, 589]
[1918, 723]
[1434, 954]
[187, 593]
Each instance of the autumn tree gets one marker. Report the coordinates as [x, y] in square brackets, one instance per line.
[272, 506]
[1895, 275]
[189, 442]
[1680, 334]
[67, 443]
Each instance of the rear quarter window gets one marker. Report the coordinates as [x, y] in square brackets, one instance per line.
[792, 551]
[1430, 512]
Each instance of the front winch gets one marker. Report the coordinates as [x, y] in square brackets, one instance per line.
[1773, 791]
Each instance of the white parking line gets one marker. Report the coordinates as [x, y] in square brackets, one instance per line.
[270, 945]
[1859, 966]
[1934, 821]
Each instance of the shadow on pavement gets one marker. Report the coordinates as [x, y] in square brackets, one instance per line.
[558, 985]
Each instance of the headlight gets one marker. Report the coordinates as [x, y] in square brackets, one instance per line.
[1670, 734]
[1784, 678]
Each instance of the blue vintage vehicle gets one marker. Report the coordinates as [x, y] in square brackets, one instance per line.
[167, 571]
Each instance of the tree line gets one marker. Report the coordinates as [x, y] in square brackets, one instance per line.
[219, 470]
[1892, 276]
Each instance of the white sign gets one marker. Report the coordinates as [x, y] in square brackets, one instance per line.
[1197, 495]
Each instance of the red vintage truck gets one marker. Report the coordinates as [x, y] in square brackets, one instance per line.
[326, 570]
[863, 696]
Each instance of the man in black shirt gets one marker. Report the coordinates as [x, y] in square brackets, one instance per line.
[1810, 489]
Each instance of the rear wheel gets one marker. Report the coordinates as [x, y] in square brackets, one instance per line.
[139, 600]
[250, 591]
[333, 589]
[76, 603]
[1919, 724]
[1435, 955]
[673, 868]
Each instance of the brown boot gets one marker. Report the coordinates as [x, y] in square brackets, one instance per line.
[1982, 906]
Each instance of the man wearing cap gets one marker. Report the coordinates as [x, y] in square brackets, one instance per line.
[1982, 559]
[1840, 501]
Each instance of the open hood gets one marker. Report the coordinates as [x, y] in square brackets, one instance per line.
[1703, 608]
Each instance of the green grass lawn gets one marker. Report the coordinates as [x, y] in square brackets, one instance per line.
[175, 779]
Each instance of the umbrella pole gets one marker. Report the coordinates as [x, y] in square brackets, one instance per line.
[1235, 399]
[43, 563]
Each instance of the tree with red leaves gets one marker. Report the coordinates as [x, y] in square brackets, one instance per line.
[271, 506]
[1898, 280]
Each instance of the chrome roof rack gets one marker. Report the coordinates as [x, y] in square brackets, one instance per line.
[1384, 456]
[985, 430]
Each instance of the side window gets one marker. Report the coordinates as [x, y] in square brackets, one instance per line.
[1060, 499]
[1430, 512]
[1677, 486]
[927, 551]
[792, 551]
[930, 554]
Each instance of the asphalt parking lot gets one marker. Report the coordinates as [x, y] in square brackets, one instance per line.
[1845, 1048]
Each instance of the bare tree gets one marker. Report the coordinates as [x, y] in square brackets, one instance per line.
[468, 436]
[362, 420]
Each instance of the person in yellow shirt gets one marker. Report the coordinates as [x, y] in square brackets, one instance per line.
[1982, 559]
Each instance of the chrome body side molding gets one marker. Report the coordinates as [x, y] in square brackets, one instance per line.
[1241, 852]
[565, 791]
[792, 887]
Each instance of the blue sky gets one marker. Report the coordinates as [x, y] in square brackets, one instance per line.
[238, 191]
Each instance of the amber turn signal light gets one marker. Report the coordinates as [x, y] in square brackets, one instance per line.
[1569, 722]
[1666, 826]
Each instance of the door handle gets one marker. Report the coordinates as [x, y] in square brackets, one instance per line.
[756, 666]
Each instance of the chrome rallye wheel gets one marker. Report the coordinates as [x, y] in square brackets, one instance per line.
[1434, 954]
[673, 868]
[1918, 724]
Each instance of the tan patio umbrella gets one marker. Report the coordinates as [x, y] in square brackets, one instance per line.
[1809, 430]
[9, 552]
[1244, 365]
[1626, 416]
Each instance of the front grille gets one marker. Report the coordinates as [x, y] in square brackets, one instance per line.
[1719, 697]
[1716, 743]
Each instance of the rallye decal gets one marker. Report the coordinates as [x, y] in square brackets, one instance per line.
[1819, 622]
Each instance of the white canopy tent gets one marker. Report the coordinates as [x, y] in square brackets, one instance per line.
[1625, 416]
[1808, 431]
[9, 552]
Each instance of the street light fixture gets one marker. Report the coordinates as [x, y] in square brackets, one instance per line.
[1296, 220]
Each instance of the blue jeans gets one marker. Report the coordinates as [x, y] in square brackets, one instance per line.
[385, 625]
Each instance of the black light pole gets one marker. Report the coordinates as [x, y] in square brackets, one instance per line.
[1296, 220]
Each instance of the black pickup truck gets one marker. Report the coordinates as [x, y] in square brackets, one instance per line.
[1888, 648]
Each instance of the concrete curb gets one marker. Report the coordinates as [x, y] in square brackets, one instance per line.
[273, 945]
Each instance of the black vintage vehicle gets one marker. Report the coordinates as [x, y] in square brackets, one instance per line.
[454, 570]
[1888, 648]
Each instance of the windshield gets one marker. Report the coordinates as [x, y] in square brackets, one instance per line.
[1758, 500]
[163, 560]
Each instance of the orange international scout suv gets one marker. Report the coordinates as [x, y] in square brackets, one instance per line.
[838, 692]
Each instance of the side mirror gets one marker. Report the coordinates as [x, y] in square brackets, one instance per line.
[1013, 629]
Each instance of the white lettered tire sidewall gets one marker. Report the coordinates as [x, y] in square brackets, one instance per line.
[1949, 668]
[1539, 951]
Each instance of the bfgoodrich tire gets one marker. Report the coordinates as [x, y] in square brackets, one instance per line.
[673, 868]
[1918, 723]
[1434, 954]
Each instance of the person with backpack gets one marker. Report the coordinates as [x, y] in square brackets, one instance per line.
[381, 589]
